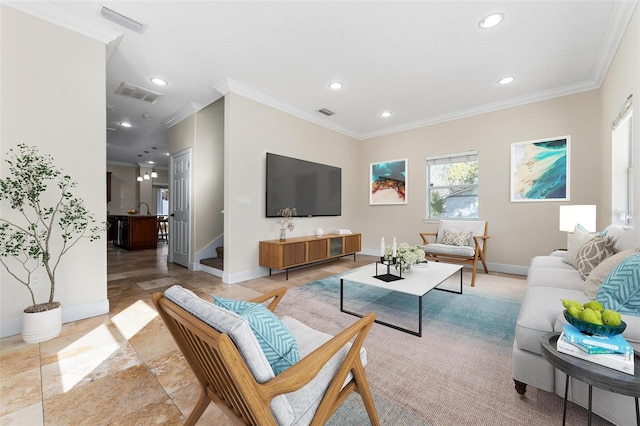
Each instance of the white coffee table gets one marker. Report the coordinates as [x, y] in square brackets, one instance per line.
[421, 280]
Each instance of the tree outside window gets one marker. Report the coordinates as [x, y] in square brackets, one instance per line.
[452, 186]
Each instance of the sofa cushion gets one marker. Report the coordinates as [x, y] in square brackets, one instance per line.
[592, 253]
[555, 277]
[554, 260]
[445, 249]
[277, 343]
[305, 401]
[620, 291]
[539, 312]
[600, 272]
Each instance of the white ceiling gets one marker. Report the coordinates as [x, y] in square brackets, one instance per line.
[426, 61]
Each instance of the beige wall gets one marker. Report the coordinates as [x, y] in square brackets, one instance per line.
[518, 231]
[124, 194]
[623, 79]
[51, 77]
[251, 130]
[208, 163]
[126, 191]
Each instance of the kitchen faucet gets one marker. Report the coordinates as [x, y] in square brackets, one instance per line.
[145, 205]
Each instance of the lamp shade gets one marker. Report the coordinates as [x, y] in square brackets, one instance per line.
[570, 216]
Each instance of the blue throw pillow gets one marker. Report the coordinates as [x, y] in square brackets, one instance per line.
[620, 291]
[277, 343]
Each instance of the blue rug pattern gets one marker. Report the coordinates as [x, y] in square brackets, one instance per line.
[487, 317]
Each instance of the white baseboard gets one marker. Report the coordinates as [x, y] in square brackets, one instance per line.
[13, 326]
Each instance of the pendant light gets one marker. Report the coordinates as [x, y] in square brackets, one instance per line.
[146, 175]
[139, 178]
[154, 174]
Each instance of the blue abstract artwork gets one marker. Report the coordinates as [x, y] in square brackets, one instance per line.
[540, 170]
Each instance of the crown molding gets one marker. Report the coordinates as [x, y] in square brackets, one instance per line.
[184, 112]
[618, 24]
[483, 109]
[255, 95]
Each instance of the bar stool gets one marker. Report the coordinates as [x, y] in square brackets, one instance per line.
[163, 225]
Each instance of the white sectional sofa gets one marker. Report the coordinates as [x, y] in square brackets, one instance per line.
[548, 281]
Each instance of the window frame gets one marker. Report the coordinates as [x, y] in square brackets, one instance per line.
[439, 160]
[622, 215]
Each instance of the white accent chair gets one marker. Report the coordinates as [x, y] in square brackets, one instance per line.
[469, 252]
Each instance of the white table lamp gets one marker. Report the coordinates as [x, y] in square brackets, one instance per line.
[570, 216]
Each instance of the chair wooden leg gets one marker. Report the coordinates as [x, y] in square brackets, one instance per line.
[201, 405]
[473, 272]
[365, 393]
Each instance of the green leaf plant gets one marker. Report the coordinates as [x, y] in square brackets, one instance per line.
[44, 233]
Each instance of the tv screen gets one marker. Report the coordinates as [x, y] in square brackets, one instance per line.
[313, 189]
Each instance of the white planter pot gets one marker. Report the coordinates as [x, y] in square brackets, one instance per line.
[41, 326]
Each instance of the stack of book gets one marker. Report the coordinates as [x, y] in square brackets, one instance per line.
[609, 351]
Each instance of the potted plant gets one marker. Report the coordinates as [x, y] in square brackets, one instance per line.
[50, 222]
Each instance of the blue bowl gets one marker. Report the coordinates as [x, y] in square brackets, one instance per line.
[596, 329]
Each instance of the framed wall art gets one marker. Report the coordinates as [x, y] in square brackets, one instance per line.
[540, 170]
[388, 182]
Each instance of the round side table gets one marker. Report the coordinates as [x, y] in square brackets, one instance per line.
[591, 374]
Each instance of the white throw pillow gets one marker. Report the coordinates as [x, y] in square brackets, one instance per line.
[575, 242]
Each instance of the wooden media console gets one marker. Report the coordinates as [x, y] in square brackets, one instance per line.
[301, 251]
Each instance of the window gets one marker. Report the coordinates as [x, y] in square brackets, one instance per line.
[622, 166]
[452, 186]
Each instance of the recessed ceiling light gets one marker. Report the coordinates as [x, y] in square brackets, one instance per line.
[335, 85]
[126, 124]
[385, 114]
[491, 20]
[159, 81]
[506, 80]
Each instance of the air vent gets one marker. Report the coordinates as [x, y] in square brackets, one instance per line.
[326, 112]
[122, 20]
[137, 92]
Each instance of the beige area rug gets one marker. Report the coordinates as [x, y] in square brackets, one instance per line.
[457, 373]
[157, 283]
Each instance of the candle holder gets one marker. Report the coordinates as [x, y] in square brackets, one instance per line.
[388, 277]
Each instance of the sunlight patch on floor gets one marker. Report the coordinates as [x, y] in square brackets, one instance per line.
[134, 318]
[83, 356]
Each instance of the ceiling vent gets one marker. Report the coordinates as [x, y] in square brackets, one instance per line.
[137, 92]
[326, 112]
[122, 20]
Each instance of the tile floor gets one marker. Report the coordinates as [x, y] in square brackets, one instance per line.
[123, 368]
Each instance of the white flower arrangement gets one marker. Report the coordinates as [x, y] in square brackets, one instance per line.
[406, 255]
[286, 220]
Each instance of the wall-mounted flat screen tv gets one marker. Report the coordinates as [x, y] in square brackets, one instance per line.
[313, 189]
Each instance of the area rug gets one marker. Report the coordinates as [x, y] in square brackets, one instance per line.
[457, 373]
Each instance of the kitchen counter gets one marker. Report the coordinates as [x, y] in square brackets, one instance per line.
[133, 232]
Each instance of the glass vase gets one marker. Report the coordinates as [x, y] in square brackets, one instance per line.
[283, 235]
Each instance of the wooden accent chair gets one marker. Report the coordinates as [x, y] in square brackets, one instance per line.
[308, 392]
[457, 241]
